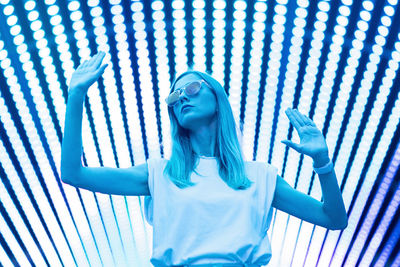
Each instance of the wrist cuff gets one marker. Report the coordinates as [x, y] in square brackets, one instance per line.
[324, 169]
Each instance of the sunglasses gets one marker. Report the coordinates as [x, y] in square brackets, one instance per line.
[191, 88]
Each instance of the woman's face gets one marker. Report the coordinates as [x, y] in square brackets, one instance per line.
[202, 108]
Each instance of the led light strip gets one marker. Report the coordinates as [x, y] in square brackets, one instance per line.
[387, 218]
[253, 85]
[271, 83]
[118, 219]
[199, 33]
[88, 142]
[16, 183]
[366, 142]
[67, 64]
[236, 67]
[73, 199]
[319, 117]
[136, 235]
[289, 241]
[141, 255]
[163, 80]
[164, 85]
[20, 225]
[27, 65]
[149, 107]
[179, 32]
[21, 195]
[145, 80]
[384, 258]
[162, 72]
[32, 134]
[337, 119]
[331, 66]
[89, 148]
[12, 243]
[274, 56]
[283, 123]
[359, 160]
[218, 50]
[396, 261]
[383, 145]
[48, 127]
[5, 259]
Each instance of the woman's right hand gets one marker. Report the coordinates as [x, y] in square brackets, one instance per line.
[86, 74]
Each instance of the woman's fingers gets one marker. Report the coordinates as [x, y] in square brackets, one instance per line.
[298, 119]
[298, 116]
[308, 120]
[83, 64]
[95, 61]
[101, 70]
[302, 118]
[98, 59]
[293, 118]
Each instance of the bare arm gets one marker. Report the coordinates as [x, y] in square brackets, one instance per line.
[71, 148]
[305, 207]
[333, 204]
[120, 181]
[330, 213]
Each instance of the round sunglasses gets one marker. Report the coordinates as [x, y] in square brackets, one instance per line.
[191, 88]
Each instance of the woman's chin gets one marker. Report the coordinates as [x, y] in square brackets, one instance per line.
[192, 123]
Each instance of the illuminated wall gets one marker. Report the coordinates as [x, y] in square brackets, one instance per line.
[336, 61]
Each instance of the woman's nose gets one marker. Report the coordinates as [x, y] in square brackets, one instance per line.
[184, 96]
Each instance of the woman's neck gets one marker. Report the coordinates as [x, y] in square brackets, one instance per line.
[203, 141]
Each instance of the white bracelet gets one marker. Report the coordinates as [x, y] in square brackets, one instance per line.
[324, 169]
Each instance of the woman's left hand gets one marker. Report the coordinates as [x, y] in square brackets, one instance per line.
[312, 142]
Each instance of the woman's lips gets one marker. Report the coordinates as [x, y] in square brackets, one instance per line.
[186, 107]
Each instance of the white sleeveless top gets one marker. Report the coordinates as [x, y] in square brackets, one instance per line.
[210, 222]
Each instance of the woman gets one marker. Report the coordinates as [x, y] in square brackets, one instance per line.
[206, 204]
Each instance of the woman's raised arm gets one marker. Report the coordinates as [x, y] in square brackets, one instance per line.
[121, 181]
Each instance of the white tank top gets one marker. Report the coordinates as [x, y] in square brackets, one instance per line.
[210, 222]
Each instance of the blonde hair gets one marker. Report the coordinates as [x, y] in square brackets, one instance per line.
[227, 146]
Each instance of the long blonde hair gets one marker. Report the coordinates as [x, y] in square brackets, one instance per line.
[227, 148]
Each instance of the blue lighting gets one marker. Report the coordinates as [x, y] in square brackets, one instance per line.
[337, 62]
